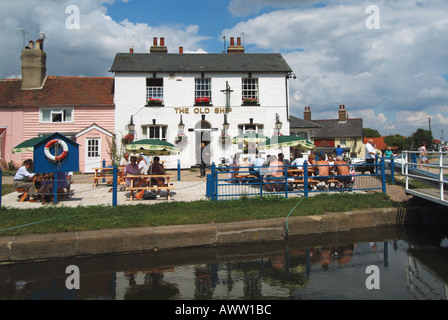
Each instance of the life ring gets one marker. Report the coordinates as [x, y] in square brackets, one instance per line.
[59, 157]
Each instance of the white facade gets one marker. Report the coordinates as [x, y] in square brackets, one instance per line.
[179, 100]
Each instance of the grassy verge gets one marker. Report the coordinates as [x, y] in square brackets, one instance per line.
[64, 219]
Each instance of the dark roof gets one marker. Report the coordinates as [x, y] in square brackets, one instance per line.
[164, 62]
[337, 129]
[59, 91]
[298, 123]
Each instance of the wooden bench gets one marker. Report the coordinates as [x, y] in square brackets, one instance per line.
[164, 187]
[250, 176]
[25, 193]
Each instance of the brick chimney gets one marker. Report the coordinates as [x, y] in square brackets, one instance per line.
[34, 66]
[238, 48]
[342, 113]
[307, 114]
[158, 48]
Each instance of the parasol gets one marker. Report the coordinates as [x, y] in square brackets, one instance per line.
[152, 147]
[287, 141]
[27, 145]
[250, 137]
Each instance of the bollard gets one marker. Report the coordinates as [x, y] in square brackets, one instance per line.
[383, 176]
[305, 179]
[104, 166]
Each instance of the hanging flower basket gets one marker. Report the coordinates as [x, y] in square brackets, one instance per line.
[225, 138]
[127, 138]
[154, 102]
[204, 101]
[181, 139]
[250, 102]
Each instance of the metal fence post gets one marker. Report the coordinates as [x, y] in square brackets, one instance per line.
[178, 169]
[214, 183]
[392, 170]
[383, 175]
[114, 188]
[286, 181]
[305, 179]
[104, 166]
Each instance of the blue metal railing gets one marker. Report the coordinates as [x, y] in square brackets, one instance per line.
[225, 185]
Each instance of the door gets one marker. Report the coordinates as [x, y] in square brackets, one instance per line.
[202, 131]
[93, 154]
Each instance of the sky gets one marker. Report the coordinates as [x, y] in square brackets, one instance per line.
[385, 60]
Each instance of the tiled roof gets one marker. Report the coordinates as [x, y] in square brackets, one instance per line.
[59, 91]
[151, 62]
[336, 129]
[379, 143]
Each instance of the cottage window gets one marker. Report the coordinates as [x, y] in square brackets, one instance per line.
[250, 88]
[56, 115]
[203, 88]
[302, 135]
[154, 88]
[154, 132]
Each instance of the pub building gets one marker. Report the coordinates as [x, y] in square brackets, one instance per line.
[188, 99]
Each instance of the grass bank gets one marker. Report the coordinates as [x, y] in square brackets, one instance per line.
[64, 219]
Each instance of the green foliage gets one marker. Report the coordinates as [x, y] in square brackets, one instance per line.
[370, 133]
[420, 136]
[397, 141]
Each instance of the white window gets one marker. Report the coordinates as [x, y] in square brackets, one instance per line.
[249, 128]
[250, 88]
[154, 132]
[302, 135]
[203, 88]
[56, 115]
[154, 88]
[343, 142]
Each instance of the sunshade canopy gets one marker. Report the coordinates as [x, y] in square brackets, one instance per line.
[153, 147]
[250, 137]
[287, 141]
[27, 145]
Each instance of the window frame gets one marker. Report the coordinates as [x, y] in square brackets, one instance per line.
[154, 90]
[250, 90]
[203, 92]
[57, 111]
[162, 131]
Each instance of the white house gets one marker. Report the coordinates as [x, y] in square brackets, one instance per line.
[179, 79]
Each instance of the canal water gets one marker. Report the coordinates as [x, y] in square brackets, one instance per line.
[398, 263]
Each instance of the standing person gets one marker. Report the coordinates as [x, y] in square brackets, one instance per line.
[388, 153]
[205, 158]
[125, 160]
[423, 156]
[23, 179]
[339, 151]
[370, 155]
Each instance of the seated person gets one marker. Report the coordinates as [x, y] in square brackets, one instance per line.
[275, 169]
[298, 161]
[142, 164]
[281, 158]
[342, 169]
[47, 186]
[244, 165]
[132, 168]
[323, 170]
[23, 179]
[157, 168]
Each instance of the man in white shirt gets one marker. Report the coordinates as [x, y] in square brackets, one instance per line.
[142, 165]
[23, 179]
[258, 163]
[370, 155]
[298, 161]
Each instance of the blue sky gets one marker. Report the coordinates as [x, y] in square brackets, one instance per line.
[393, 76]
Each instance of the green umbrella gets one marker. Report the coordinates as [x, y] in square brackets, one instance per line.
[152, 147]
[27, 145]
[288, 141]
[250, 137]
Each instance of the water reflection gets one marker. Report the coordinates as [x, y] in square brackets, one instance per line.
[412, 264]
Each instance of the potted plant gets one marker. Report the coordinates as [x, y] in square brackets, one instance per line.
[128, 138]
[154, 102]
[249, 101]
[203, 101]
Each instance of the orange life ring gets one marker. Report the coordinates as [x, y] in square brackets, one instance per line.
[59, 157]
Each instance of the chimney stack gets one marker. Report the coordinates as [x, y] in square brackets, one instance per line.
[235, 49]
[181, 50]
[131, 49]
[34, 66]
[342, 113]
[307, 114]
[158, 48]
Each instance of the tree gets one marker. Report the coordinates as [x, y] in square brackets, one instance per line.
[397, 141]
[370, 133]
[420, 136]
